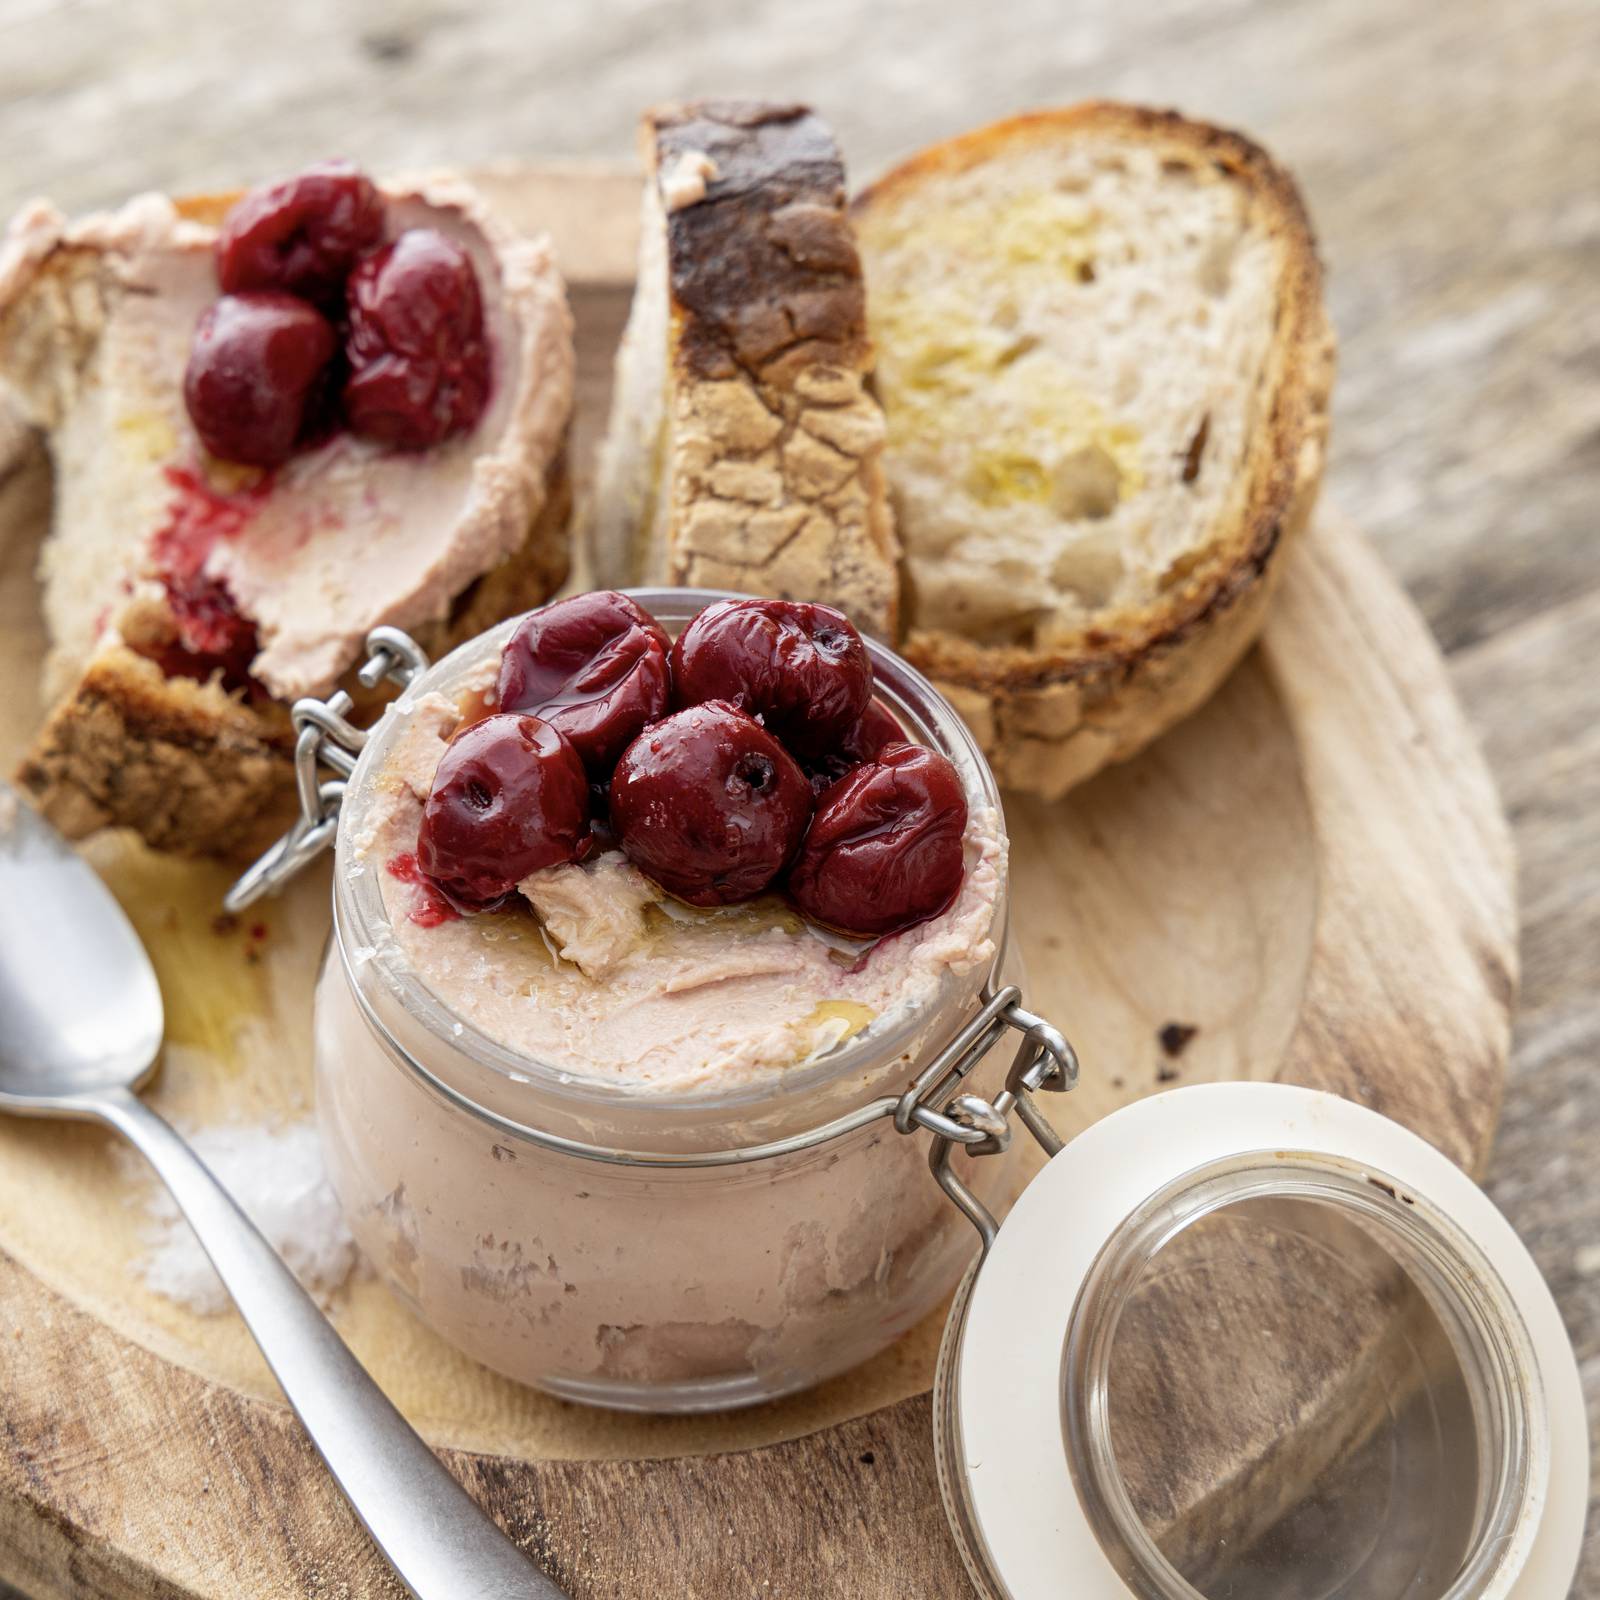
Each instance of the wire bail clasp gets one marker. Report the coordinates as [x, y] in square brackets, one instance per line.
[325, 737]
[1045, 1060]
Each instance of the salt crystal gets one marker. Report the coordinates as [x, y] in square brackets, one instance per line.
[277, 1177]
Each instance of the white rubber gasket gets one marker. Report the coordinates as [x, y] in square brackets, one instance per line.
[1037, 1539]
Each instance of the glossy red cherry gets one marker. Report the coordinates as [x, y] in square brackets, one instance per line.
[709, 804]
[801, 668]
[876, 728]
[254, 373]
[508, 798]
[594, 666]
[418, 354]
[302, 234]
[885, 847]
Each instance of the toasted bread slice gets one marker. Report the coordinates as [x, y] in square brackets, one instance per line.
[94, 323]
[201, 770]
[744, 445]
[1105, 363]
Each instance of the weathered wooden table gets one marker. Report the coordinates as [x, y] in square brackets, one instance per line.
[1448, 153]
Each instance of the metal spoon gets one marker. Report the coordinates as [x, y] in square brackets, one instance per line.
[80, 1029]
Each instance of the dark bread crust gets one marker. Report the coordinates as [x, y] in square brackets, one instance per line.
[1128, 679]
[766, 454]
[764, 270]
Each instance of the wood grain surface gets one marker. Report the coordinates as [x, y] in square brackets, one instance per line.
[1447, 152]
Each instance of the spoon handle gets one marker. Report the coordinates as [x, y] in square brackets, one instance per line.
[434, 1534]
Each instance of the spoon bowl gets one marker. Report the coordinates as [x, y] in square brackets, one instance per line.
[80, 1005]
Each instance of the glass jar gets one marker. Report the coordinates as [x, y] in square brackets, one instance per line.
[641, 1250]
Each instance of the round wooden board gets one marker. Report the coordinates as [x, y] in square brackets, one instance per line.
[1312, 873]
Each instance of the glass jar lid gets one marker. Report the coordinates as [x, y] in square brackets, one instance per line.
[1252, 1340]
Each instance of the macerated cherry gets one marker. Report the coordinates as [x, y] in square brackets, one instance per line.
[885, 847]
[302, 234]
[801, 668]
[876, 728]
[594, 666]
[253, 373]
[509, 797]
[213, 636]
[419, 358]
[709, 804]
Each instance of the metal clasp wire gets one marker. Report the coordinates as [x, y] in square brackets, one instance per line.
[1044, 1061]
[325, 737]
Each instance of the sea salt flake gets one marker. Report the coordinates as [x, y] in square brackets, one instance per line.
[276, 1174]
